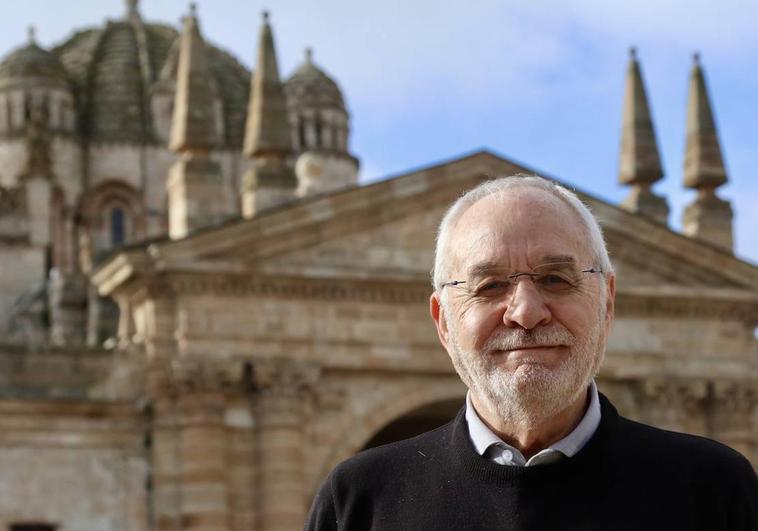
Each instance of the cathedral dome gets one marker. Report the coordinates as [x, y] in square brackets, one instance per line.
[31, 62]
[311, 87]
[114, 69]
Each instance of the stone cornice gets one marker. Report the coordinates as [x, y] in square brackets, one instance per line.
[688, 303]
[329, 289]
[114, 273]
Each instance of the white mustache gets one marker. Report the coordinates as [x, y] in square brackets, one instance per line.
[519, 338]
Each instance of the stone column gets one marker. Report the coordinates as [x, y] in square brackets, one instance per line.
[165, 466]
[282, 389]
[155, 324]
[192, 447]
[203, 450]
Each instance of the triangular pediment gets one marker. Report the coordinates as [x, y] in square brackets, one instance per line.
[386, 231]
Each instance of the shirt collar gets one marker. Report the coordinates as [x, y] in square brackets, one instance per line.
[482, 437]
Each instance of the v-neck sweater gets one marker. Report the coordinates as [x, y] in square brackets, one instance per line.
[628, 476]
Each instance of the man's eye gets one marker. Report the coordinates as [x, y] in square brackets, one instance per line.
[493, 287]
[554, 282]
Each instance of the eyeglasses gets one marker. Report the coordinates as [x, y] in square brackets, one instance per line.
[552, 279]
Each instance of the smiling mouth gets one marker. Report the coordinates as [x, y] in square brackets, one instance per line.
[533, 347]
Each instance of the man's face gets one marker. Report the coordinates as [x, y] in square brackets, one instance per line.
[528, 350]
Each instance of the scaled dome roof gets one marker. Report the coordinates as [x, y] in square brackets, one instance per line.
[311, 87]
[31, 61]
[114, 88]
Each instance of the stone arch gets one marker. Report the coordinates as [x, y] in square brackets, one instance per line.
[357, 429]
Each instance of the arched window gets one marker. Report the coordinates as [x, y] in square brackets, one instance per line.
[118, 226]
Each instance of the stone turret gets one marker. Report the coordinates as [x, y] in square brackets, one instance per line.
[268, 142]
[321, 127]
[37, 111]
[31, 75]
[640, 162]
[195, 189]
[708, 217]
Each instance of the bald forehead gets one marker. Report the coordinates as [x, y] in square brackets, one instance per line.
[528, 217]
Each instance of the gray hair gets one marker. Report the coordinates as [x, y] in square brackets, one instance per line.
[500, 185]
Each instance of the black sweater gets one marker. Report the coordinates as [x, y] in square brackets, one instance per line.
[628, 476]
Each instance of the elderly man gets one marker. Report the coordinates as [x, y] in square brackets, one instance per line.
[523, 303]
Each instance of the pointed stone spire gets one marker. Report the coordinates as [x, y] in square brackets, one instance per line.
[640, 163]
[708, 217]
[196, 194]
[193, 126]
[703, 163]
[268, 141]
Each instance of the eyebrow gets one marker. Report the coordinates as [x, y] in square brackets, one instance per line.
[483, 269]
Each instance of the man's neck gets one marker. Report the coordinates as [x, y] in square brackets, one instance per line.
[530, 438]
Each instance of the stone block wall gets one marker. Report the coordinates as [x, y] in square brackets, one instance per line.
[73, 465]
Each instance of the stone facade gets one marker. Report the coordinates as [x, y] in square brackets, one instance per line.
[244, 359]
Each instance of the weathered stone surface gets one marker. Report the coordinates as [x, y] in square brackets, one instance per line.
[253, 356]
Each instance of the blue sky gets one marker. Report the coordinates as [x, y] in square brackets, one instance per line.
[536, 81]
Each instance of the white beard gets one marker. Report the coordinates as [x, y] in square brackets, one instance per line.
[531, 393]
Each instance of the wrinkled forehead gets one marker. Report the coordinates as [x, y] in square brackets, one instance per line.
[518, 228]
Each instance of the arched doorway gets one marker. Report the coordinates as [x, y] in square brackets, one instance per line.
[415, 422]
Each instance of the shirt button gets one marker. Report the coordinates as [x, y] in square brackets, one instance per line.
[508, 455]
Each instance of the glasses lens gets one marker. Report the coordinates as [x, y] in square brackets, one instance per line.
[556, 278]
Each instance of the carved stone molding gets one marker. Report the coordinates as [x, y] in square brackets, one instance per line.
[284, 377]
[735, 398]
[635, 305]
[204, 376]
[686, 395]
[244, 285]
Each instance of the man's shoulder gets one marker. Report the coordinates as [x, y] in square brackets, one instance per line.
[423, 450]
[670, 448]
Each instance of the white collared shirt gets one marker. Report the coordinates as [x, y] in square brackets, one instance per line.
[491, 446]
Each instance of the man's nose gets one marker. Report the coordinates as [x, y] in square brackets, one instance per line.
[526, 308]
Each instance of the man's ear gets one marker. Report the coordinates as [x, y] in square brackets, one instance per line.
[440, 319]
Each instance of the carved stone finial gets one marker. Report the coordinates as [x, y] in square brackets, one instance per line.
[132, 8]
[31, 32]
[309, 55]
[696, 58]
[193, 9]
[633, 53]
[265, 17]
